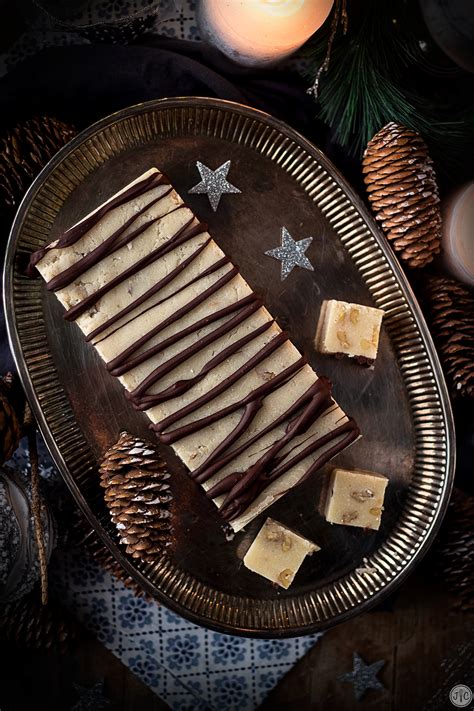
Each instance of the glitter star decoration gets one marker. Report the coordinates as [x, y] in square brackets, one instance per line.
[214, 183]
[291, 253]
[364, 676]
[90, 698]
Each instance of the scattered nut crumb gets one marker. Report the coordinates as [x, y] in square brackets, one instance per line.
[366, 570]
[365, 344]
[286, 544]
[375, 511]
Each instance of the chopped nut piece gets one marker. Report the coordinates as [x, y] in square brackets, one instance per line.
[349, 516]
[277, 553]
[272, 534]
[342, 338]
[341, 314]
[354, 315]
[355, 498]
[362, 495]
[375, 336]
[285, 577]
[365, 344]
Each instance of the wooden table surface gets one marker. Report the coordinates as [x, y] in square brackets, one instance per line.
[426, 645]
[427, 648]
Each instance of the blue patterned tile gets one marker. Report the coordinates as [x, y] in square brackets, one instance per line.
[227, 650]
[146, 668]
[84, 571]
[273, 650]
[231, 692]
[99, 621]
[266, 681]
[191, 668]
[183, 651]
[134, 612]
[172, 619]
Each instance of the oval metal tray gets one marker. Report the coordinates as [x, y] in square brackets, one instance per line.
[401, 406]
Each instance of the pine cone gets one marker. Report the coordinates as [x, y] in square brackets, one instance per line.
[138, 495]
[449, 309]
[83, 536]
[28, 624]
[402, 190]
[453, 551]
[24, 151]
[9, 420]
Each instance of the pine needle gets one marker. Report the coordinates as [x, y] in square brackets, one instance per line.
[364, 84]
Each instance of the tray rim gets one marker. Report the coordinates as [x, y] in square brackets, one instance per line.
[402, 282]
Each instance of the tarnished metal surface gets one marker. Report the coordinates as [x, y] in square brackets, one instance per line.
[401, 405]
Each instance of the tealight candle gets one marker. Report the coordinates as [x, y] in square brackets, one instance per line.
[458, 234]
[260, 32]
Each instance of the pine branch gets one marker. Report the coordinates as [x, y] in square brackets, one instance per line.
[365, 85]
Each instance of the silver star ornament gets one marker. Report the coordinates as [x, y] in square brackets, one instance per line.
[91, 698]
[214, 183]
[291, 253]
[364, 676]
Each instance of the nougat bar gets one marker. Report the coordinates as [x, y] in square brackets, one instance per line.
[194, 347]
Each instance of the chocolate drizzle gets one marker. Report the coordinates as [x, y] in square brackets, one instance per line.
[149, 293]
[137, 395]
[234, 505]
[72, 235]
[121, 364]
[263, 353]
[214, 462]
[238, 488]
[237, 485]
[184, 234]
[257, 394]
[114, 242]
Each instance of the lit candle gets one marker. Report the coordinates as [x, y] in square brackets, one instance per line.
[458, 233]
[259, 32]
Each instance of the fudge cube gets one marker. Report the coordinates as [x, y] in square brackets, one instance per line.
[350, 329]
[355, 498]
[277, 553]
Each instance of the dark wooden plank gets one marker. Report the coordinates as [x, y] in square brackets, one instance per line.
[46, 680]
[415, 639]
[427, 649]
